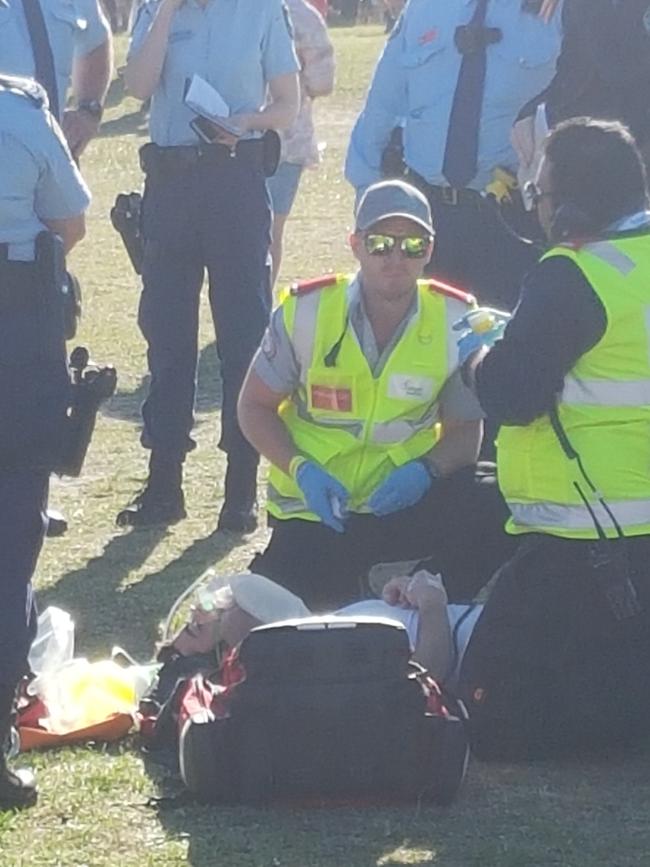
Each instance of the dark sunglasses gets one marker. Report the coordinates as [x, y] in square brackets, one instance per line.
[533, 193]
[412, 246]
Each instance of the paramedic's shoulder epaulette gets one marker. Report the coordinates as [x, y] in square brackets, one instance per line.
[304, 287]
[25, 87]
[450, 291]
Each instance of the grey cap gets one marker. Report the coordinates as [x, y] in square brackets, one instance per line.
[393, 199]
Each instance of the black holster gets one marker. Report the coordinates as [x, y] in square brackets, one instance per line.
[126, 219]
[52, 284]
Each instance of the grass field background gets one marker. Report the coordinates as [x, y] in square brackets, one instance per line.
[96, 804]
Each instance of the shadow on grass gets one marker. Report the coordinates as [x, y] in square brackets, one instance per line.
[555, 814]
[105, 612]
[116, 92]
[299, 837]
[135, 123]
[126, 405]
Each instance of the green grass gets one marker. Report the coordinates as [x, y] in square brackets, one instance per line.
[95, 806]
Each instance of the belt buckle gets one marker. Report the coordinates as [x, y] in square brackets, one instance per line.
[449, 196]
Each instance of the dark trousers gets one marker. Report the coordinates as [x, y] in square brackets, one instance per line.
[23, 496]
[214, 216]
[33, 398]
[475, 251]
[458, 526]
[548, 670]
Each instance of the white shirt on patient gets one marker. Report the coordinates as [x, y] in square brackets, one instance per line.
[462, 620]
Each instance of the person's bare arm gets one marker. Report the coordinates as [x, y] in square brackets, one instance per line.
[458, 446]
[279, 114]
[261, 424]
[144, 66]
[71, 230]
[426, 593]
[91, 74]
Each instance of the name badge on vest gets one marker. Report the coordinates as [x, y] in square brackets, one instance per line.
[406, 387]
[331, 398]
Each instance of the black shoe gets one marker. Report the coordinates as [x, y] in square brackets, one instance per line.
[152, 509]
[238, 520]
[56, 524]
[17, 788]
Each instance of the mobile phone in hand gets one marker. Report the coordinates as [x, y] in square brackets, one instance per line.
[208, 131]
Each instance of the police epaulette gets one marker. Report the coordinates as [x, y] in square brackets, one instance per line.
[304, 287]
[451, 291]
[27, 87]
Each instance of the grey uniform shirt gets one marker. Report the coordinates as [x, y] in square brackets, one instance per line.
[43, 184]
[75, 28]
[276, 365]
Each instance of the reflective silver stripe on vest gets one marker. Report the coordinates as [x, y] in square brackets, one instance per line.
[287, 505]
[401, 430]
[606, 392]
[628, 513]
[608, 252]
[304, 330]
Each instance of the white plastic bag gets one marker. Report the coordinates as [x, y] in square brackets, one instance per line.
[53, 646]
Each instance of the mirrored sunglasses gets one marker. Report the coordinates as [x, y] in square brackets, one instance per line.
[412, 246]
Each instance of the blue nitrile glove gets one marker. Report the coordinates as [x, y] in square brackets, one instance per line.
[478, 328]
[404, 487]
[324, 495]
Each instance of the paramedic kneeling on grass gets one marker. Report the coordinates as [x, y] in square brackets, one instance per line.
[355, 398]
[560, 658]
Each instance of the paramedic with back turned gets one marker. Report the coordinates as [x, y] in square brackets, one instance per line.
[355, 398]
[560, 658]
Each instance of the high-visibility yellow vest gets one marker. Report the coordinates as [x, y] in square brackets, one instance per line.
[357, 426]
[604, 408]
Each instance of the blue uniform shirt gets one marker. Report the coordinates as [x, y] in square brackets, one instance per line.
[74, 27]
[415, 81]
[44, 183]
[238, 46]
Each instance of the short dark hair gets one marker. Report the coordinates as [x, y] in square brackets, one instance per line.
[596, 167]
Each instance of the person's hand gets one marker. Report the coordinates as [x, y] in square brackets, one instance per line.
[324, 495]
[79, 127]
[404, 487]
[420, 590]
[242, 124]
[522, 137]
[479, 328]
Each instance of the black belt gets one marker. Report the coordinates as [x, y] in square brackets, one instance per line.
[445, 195]
[154, 158]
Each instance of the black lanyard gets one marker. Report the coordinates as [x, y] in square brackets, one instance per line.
[45, 72]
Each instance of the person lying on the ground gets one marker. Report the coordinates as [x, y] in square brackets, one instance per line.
[438, 633]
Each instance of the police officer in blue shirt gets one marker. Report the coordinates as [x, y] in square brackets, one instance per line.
[42, 204]
[603, 71]
[454, 75]
[60, 43]
[205, 207]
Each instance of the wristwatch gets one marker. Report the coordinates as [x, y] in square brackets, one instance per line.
[93, 107]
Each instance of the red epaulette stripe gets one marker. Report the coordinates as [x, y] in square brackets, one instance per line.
[451, 291]
[305, 286]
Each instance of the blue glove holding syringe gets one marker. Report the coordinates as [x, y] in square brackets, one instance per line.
[324, 495]
[479, 328]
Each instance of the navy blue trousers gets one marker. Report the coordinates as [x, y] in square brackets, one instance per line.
[212, 216]
[33, 397]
